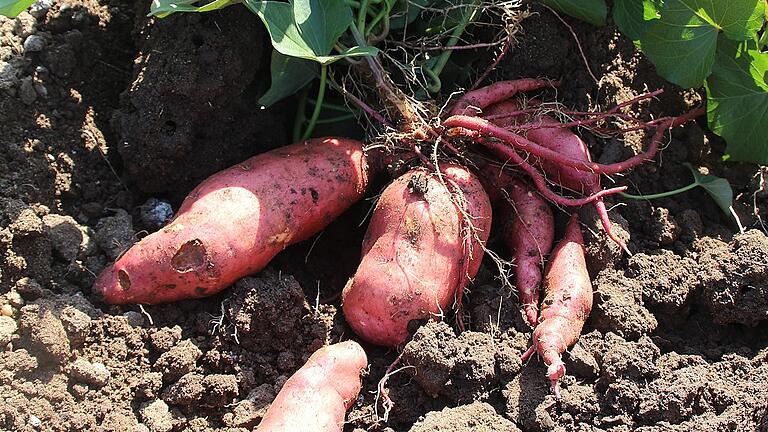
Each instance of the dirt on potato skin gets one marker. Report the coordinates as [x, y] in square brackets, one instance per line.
[675, 340]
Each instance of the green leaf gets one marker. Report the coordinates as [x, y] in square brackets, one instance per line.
[718, 188]
[11, 8]
[591, 11]
[308, 29]
[163, 8]
[633, 17]
[289, 75]
[682, 42]
[737, 100]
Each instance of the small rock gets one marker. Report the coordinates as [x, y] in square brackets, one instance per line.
[156, 213]
[8, 76]
[34, 43]
[29, 288]
[95, 374]
[40, 8]
[156, 416]
[34, 421]
[76, 324]
[27, 91]
[7, 310]
[15, 299]
[25, 25]
[41, 90]
[135, 319]
[42, 73]
[7, 329]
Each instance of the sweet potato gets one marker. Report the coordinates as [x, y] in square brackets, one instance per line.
[237, 220]
[417, 253]
[566, 305]
[567, 144]
[529, 234]
[317, 396]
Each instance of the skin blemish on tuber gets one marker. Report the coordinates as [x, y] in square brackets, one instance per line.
[190, 256]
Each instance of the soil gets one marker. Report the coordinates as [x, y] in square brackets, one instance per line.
[108, 118]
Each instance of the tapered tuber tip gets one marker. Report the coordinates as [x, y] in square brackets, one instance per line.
[531, 314]
[555, 371]
[105, 283]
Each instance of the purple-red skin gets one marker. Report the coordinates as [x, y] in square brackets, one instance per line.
[566, 305]
[237, 220]
[414, 258]
[317, 396]
[528, 233]
[567, 144]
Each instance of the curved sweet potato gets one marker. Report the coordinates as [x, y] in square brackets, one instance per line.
[415, 253]
[567, 303]
[236, 221]
[317, 396]
[568, 144]
[529, 236]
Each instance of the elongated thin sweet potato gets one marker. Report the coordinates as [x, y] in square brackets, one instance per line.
[529, 233]
[567, 303]
[317, 396]
[236, 221]
[416, 253]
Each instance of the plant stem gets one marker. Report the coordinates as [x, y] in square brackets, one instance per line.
[660, 194]
[437, 68]
[361, 15]
[336, 119]
[318, 104]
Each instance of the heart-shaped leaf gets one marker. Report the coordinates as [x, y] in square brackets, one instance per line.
[308, 29]
[682, 42]
[289, 75]
[718, 188]
[737, 100]
[11, 8]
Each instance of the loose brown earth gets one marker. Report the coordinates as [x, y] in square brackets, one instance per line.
[107, 111]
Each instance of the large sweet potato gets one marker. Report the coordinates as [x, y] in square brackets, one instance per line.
[236, 221]
[317, 396]
[417, 252]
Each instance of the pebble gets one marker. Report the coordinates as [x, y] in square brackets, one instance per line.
[41, 90]
[34, 421]
[8, 78]
[135, 319]
[25, 25]
[15, 299]
[29, 288]
[95, 374]
[6, 310]
[40, 8]
[156, 213]
[7, 329]
[34, 43]
[27, 91]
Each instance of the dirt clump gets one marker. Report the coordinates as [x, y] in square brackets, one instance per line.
[477, 416]
[734, 277]
[196, 82]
